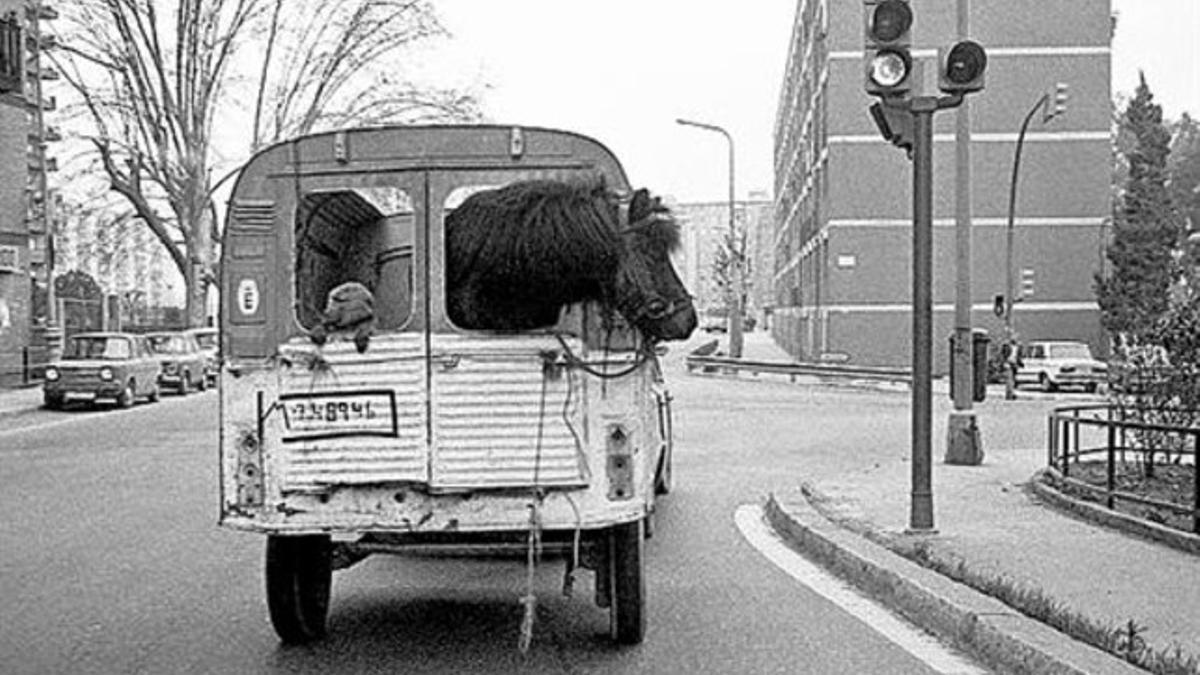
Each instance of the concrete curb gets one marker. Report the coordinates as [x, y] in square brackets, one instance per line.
[991, 631]
[1043, 485]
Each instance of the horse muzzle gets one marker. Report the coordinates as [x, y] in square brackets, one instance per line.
[674, 320]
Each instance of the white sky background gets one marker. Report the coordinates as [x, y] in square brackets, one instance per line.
[622, 71]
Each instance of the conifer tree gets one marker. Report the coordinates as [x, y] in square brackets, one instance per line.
[1135, 291]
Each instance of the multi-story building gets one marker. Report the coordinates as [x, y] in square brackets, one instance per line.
[705, 226]
[26, 203]
[843, 207]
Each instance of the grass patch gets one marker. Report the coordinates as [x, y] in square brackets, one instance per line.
[1126, 641]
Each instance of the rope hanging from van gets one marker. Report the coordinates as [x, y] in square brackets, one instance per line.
[534, 540]
[533, 551]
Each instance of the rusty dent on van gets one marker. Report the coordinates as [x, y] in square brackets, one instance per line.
[436, 438]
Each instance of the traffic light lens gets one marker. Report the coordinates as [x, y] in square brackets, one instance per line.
[888, 69]
[965, 63]
[891, 19]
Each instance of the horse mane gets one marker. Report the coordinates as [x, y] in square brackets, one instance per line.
[549, 240]
[652, 226]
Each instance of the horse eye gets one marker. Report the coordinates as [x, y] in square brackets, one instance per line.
[656, 308]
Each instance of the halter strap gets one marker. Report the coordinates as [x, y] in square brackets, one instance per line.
[646, 221]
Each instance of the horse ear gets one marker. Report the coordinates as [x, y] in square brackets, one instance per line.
[640, 206]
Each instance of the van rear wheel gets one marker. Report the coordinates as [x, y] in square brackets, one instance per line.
[627, 611]
[299, 577]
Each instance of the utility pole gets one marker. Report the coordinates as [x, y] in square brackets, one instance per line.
[963, 443]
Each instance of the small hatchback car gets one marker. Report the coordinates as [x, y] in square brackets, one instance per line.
[115, 366]
[183, 364]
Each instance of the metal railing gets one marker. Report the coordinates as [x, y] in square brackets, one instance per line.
[1076, 432]
[712, 364]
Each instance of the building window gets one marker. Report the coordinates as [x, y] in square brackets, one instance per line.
[11, 52]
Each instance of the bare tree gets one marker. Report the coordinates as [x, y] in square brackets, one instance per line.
[151, 84]
[332, 64]
[152, 76]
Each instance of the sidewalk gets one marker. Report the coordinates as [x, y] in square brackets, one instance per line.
[20, 399]
[989, 521]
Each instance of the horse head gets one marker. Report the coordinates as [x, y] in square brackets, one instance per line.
[648, 291]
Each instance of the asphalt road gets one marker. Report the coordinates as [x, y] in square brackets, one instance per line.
[111, 560]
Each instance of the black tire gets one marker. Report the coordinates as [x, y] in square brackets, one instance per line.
[185, 383]
[299, 577]
[52, 401]
[128, 394]
[202, 384]
[154, 394]
[627, 613]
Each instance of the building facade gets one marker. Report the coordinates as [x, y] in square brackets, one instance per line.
[704, 228]
[842, 235]
[26, 203]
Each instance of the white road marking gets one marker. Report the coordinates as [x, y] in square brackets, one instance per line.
[750, 520]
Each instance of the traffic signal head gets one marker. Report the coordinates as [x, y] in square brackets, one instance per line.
[888, 60]
[1057, 104]
[961, 68]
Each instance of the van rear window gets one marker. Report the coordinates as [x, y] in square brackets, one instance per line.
[363, 235]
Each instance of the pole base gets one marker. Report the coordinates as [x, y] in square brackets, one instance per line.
[963, 445]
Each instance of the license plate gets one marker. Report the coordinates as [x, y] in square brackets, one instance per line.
[80, 395]
[329, 415]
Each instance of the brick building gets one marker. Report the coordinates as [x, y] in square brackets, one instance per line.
[843, 208]
[23, 166]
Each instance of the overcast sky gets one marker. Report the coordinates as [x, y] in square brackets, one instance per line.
[624, 70]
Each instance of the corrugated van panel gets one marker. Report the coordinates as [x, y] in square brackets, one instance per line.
[393, 367]
[503, 418]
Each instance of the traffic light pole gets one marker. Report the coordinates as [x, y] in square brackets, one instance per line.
[894, 76]
[1010, 333]
[921, 514]
[922, 109]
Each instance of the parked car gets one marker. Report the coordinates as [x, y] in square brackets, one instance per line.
[94, 366]
[1061, 363]
[714, 320]
[183, 363]
[206, 338]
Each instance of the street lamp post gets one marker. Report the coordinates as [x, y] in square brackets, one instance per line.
[735, 256]
[1060, 98]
